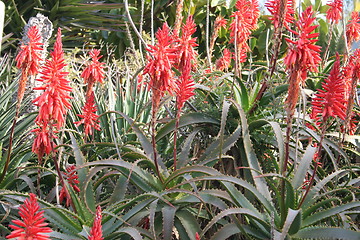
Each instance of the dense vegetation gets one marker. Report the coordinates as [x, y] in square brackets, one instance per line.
[179, 120]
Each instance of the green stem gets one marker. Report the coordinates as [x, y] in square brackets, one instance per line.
[11, 138]
[153, 140]
[175, 137]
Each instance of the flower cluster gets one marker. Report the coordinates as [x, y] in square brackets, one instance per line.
[334, 13]
[72, 179]
[281, 15]
[353, 28]
[89, 117]
[351, 74]
[93, 73]
[96, 232]
[29, 56]
[302, 56]
[187, 55]
[163, 56]
[28, 59]
[330, 101]
[219, 23]
[54, 101]
[224, 62]
[32, 225]
[244, 20]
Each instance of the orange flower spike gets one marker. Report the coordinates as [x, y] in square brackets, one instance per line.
[334, 13]
[96, 232]
[32, 224]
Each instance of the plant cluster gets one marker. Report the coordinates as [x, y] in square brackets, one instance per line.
[231, 137]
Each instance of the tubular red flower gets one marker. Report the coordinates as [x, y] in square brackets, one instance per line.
[303, 55]
[330, 101]
[94, 72]
[185, 89]
[224, 62]
[334, 13]
[187, 57]
[353, 28]
[53, 103]
[89, 117]
[32, 224]
[28, 58]
[245, 20]
[96, 232]
[185, 47]
[218, 24]
[72, 179]
[43, 143]
[274, 8]
[159, 65]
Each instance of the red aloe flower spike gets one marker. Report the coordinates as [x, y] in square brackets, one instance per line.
[303, 55]
[73, 182]
[219, 23]
[159, 65]
[330, 102]
[274, 8]
[186, 52]
[89, 117]
[224, 62]
[94, 72]
[352, 78]
[96, 232]
[163, 56]
[43, 143]
[353, 28]
[53, 103]
[32, 225]
[334, 13]
[245, 20]
[185, 90]
[28, 59]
